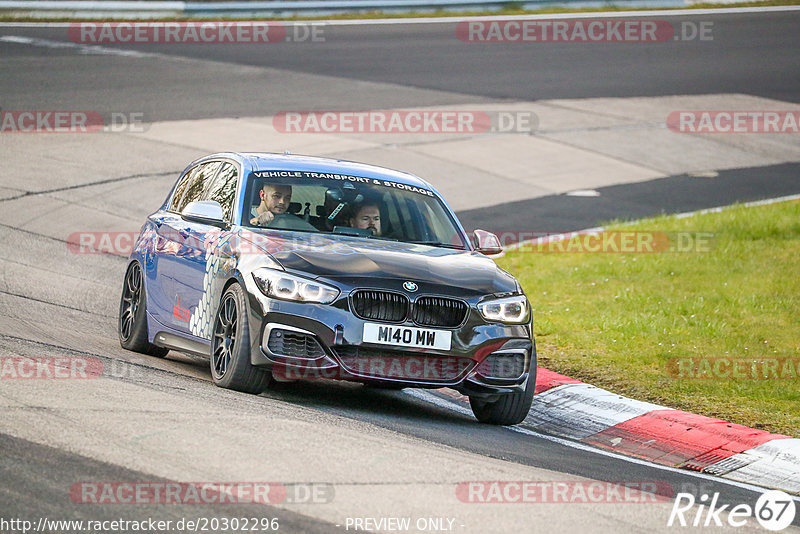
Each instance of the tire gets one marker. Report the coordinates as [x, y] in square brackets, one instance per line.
[230, 347]
[132, 322]
[508, 409]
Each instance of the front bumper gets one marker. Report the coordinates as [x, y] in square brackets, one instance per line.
[331, 347]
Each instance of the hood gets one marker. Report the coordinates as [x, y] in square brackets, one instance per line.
[351, 259]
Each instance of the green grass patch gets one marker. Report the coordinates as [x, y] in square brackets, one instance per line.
[620, 320]
[6, 17]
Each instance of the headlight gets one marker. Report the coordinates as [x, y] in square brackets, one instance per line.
[281, 285]
[513, 310]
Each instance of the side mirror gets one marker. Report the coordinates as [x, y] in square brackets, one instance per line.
[205, 212]
[487, 243]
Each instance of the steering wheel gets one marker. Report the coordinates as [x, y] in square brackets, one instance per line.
[287, 221]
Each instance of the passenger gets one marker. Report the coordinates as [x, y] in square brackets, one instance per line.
[275, 199]
[367, 215]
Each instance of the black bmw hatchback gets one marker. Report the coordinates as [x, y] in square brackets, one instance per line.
[283, 267]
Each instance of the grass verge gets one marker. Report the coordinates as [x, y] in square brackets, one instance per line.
[646, 325]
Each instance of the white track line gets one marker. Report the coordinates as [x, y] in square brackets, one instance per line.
[450, 20]
[765, 202]
[598, 229]
[82, 48]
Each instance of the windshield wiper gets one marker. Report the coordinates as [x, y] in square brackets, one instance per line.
[437, 244]
[359, 232]
[352, 232]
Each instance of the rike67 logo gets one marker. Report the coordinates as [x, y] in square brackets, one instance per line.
[774, 510]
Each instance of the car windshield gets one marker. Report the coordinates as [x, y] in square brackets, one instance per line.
[348, 205]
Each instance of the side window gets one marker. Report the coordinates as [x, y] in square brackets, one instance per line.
[223, 188]
[180, 190]
[193, 185]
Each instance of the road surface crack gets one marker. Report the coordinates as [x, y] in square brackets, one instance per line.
[34, 299]
[91, 184]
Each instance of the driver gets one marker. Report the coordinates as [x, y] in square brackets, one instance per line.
[275, 199]
[367, 215]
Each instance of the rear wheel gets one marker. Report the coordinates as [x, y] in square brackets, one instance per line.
[508, 409]
[132, 323]
[230, 347]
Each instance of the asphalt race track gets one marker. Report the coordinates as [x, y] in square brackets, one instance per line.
[421, 56]
[341, 451]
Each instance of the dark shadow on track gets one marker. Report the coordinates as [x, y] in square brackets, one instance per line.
[674, 194]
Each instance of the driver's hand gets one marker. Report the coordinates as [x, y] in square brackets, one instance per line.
[263, 219]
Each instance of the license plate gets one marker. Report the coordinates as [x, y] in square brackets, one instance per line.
[407, 336]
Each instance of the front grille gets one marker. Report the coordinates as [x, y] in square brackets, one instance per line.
[400, 365]
[509, 365]
[393, 307]
[380, 305]
[294, 344]
[439, 311]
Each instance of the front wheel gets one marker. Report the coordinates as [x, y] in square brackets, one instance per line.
[509, 409]
[230, 347]
[132, 323]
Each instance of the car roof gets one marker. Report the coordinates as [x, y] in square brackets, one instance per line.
[258, 161]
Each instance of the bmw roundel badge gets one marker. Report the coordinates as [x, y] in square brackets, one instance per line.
[410, 286]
